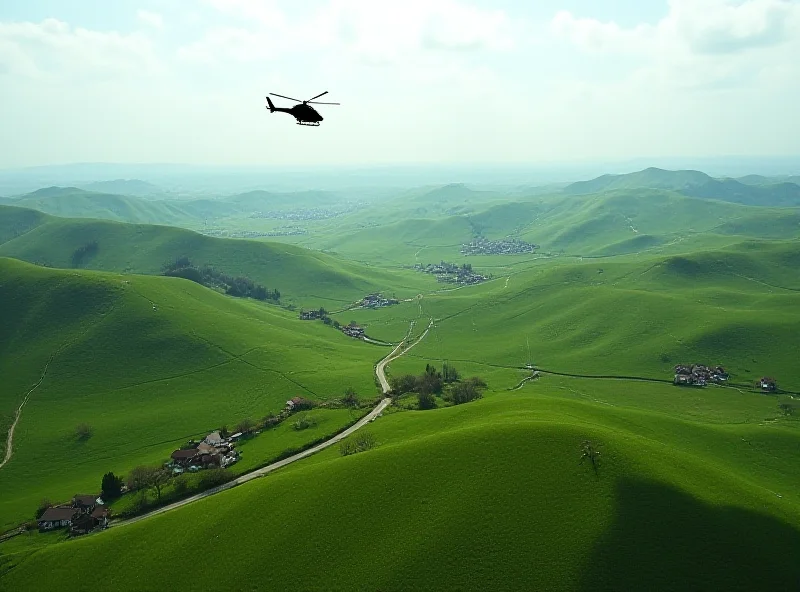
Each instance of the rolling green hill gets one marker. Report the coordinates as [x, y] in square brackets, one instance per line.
[738, 307]
[695, 184]
[147, 362]
[302, 276]
[125, 187]
[674, 504]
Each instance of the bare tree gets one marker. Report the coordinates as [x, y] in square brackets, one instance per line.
[84, 431]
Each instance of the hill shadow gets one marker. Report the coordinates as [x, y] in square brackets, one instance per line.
[664, 539]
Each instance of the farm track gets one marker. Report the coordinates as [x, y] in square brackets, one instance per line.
[381, 374]
[10, 438]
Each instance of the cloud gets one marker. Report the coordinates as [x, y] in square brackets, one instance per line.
[700, 27]
[54, 49]
[369, 32]
[151, 19]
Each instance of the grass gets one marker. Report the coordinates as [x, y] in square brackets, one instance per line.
[504, 469]
[696, 487]
[147, 380]
[303, 277]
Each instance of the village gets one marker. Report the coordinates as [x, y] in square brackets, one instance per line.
[452, 273]
[377, 301]
[484, 246]
[701, 375]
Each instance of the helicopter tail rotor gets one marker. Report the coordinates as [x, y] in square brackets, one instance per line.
[270, 106]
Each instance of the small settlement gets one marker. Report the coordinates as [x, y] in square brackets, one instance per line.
[484, 246]
[698, 375]
[353, 330]
[377, 301]
[451, 273]
[83, 515]
[213, 451]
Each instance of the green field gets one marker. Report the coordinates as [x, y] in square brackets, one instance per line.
[695, 489]
[146, 379]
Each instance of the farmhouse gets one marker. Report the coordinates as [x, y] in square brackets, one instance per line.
[184, 458]
[768, 384]
[84, 515]
[57, 517]
[214, 439]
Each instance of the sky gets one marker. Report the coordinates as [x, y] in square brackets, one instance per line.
[419, 81]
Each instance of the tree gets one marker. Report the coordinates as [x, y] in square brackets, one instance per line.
[468, 390]
[84, 431]
[787, 408]
[144, 478]
[43, 505]
[111, 486]
[449, 373]
[246, 426]
[350, 398]
[589, 451]
[426, 401]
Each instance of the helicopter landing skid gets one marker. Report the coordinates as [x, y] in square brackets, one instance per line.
[314, 124]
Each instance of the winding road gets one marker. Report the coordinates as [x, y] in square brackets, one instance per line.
[380, 371]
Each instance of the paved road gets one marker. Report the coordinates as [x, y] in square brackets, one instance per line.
[265, 470]
[379, 370]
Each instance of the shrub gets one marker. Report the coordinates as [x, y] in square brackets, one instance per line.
[83, 432]
[426, 401]
[361, 442]
[111, 486]
[304, 423]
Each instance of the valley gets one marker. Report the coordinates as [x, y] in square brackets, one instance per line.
[506, 328]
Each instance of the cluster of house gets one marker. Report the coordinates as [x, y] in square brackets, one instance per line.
[484, 246]
[213, 451]
[312, 315]
[377, 301]
[353, 330]
[452, 273]
[699, 375]
[83, 515]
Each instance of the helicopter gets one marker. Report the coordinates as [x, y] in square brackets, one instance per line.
[303, 113]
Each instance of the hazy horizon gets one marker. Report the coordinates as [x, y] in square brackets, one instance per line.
[428, 81]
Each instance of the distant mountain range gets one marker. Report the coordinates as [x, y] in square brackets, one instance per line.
[752, 190]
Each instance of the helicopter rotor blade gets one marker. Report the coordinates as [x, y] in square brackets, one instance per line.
[318, 96]
[290, 98]
[320, 103]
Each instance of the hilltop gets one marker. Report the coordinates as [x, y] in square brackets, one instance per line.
[147, 362]
[695, 184]
[301, 276]
[125, 187]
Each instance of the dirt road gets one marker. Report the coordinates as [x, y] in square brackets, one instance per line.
[10, 439]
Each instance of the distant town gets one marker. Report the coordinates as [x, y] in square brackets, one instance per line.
[283, 231]
[484, 246]
[308, 214]
[702, 375]
[452, 273]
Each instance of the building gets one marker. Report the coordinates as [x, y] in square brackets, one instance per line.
[214, 439]
[768, 384]
[184, 457]
[57, 517]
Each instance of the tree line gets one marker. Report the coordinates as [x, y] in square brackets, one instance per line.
[206, 275]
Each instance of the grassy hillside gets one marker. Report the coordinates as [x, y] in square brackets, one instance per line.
[302, 276]
[675, 504]
[751, 191]
[737, 307]
[147, 362]
[125, 187]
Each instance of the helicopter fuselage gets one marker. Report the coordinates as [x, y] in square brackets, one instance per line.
[302, 113]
